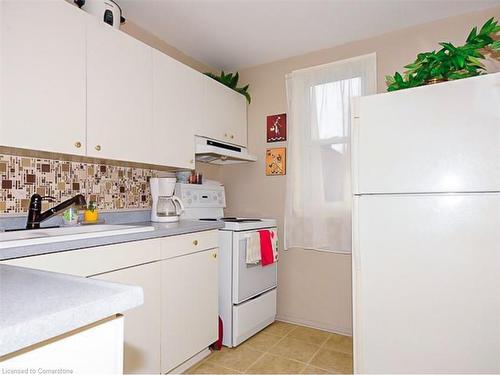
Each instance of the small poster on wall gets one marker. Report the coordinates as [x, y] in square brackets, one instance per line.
[276, 128]
[276, 161]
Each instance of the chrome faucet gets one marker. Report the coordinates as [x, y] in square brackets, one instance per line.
[35, 214]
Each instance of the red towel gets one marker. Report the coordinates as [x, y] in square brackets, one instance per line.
[266, 248]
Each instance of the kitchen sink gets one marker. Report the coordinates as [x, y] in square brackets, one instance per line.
[41, 236]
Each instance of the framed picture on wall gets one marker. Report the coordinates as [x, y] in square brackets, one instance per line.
[276, 161]
[276, 128]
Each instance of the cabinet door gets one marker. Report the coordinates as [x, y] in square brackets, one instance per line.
[189, 306]
[142, 324]
[177, 102]
[236, 117]
[42, 76]
[119, 95]
[94, 349]
[226, 114]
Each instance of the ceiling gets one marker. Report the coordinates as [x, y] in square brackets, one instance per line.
[233, 34]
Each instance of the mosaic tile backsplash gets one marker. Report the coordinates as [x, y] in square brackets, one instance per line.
[112, 187]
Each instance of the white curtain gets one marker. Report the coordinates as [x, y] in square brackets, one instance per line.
[318, 189]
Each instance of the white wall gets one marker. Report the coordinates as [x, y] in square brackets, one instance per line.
[314, 287]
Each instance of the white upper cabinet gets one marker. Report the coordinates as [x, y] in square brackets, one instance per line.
[225, 114]
[177, 102]
[119, 95]
[42, 76]
[71, 84]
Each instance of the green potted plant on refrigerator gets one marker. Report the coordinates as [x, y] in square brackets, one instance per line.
[450, 62]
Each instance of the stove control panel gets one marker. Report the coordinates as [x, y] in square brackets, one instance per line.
[201, 196]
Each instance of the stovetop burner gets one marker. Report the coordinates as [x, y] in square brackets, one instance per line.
[239, 220]
[233, 220]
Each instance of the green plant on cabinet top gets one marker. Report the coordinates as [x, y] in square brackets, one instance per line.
[231, 81]
[450, 62]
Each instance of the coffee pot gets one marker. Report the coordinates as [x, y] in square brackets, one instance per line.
[166, 206]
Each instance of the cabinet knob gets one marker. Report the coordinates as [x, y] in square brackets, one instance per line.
[232, 136]
[98, 147]
[78, 144]
[225, 135]
[195, 242]
[214, 255]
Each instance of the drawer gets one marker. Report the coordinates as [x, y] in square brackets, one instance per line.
[96, 260]
[175, 246]
[252, 316]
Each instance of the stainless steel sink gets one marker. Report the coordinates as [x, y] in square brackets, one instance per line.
[41, 236]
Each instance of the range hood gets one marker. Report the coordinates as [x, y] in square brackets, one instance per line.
[216, 152]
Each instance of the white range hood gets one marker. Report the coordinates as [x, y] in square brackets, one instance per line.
[216, 152]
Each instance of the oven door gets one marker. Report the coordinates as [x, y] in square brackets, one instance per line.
[249, 280]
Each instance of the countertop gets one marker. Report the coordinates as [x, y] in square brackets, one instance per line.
[38, 305]
[160, 230]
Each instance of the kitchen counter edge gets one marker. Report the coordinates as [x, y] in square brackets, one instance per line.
[160, 230]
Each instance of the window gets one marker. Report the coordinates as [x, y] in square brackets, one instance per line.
[318, 195]
[331, 102]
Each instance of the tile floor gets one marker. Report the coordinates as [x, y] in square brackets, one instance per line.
[283, 348]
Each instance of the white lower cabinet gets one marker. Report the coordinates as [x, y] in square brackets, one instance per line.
[94, 349]
[178, 274]
[142, 324]
[189, 306]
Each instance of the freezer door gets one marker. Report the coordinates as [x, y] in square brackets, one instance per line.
[249, 280]
[426, 283]
[438, 138]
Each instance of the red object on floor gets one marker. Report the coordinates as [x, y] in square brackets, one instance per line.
[266, 248]
[218, 344]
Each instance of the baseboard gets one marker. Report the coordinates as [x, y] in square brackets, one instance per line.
[313, 324]
[191, 362]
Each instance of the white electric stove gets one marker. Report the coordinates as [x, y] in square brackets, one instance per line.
[247, 292]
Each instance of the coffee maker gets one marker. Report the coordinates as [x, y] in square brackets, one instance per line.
[166, 207]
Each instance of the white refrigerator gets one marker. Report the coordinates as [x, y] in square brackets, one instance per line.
[426, 229]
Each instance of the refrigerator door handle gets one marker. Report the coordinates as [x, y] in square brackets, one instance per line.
[355, 129]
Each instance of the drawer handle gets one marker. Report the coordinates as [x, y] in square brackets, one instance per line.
[78, 144]
[214, 255]
[98, 147]
[195, 242]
